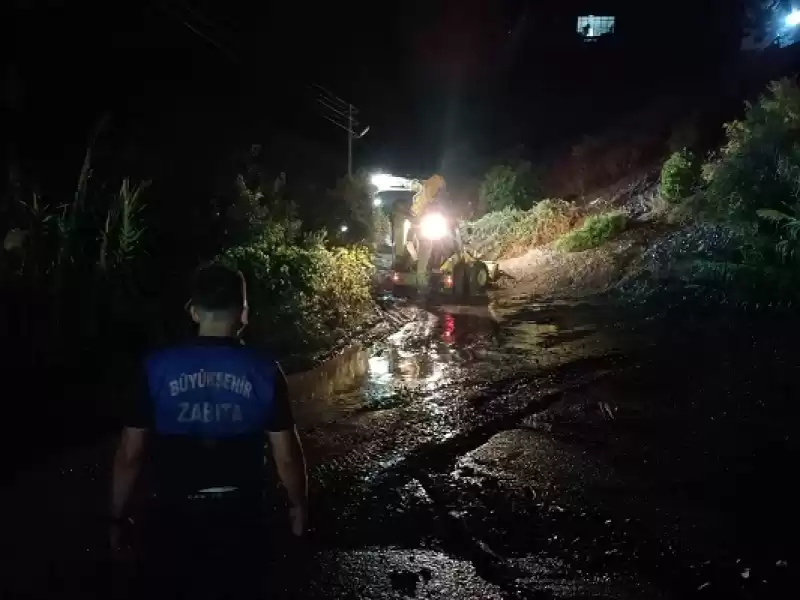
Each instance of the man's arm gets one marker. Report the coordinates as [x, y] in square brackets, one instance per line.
[127, 464]
[291, 465]
[288, 453]
[131, 449]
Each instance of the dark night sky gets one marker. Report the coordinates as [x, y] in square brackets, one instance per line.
[453, 81]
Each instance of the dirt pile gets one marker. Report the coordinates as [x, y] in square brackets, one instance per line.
[550, 273]
[547, 271]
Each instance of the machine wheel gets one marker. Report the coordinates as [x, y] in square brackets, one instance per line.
[478, 278]
[460, 283]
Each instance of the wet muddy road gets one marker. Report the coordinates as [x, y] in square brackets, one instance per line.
[513, 452]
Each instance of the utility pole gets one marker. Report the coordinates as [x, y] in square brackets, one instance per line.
[343, 115]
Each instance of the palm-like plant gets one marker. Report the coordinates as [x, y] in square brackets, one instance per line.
[788, 224]
[121, 233]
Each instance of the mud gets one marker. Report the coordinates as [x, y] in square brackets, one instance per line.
[526, 449]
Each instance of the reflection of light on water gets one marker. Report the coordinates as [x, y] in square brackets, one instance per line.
[397, 338]
[416, 359]
[434, 409]
[380, 369]
[383, 466]
[437, 372]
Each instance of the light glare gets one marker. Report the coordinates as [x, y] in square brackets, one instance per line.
[433, 226]
[793, 18]
[384, 181]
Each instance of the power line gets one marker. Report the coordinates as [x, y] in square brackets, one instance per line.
[333, 97]
[343, 126]
[336, 107]
[338, 119]
[344, 113]
[324, 97]
[164, 8]
[196, 14]
[339, 125]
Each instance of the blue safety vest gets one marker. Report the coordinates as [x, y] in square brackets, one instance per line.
[211, 389]
[212, 402]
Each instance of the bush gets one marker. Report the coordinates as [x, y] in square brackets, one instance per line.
[510, 231]
[759, 166]
[342, 293]
[740, 237]
[754, 181]
[506, 186]
[544, 223]
[491, 226]
[302, 295]
[680, 176]
[596, 230]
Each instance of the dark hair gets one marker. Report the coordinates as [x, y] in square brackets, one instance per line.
[217, 287]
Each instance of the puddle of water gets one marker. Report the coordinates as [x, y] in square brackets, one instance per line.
[529, 336]
[550, 333]
[424, 356]
[426, 359]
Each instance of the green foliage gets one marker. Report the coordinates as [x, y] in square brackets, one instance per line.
[302, 295]
[788, 229]
[301, 291]
[382, 226]
[748, 281]
[81, 262]
[507, 186]
[492, 226]
[342, 293]
[81, 242]
[753, 187]
[33, 240]
[352, 196]
[510, 231]
[596, 230]
[258, 203]
[680, 176]
[759, 166]
[121, 233]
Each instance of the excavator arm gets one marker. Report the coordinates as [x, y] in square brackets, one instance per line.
[427, 191]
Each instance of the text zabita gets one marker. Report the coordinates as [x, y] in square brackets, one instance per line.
[210, 412]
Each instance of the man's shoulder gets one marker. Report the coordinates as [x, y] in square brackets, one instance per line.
[176, 352]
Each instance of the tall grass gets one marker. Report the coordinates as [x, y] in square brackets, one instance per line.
[77, 262]
[595, 231]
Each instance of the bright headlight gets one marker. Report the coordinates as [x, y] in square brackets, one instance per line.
[433, 226]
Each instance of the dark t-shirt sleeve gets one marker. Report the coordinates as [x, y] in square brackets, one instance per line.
[280, 417]
[139, 409]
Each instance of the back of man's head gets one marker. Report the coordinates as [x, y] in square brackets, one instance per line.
[219, 296]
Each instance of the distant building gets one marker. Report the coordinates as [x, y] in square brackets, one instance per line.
[592, 27]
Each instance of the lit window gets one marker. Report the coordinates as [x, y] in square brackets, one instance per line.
[592, 27]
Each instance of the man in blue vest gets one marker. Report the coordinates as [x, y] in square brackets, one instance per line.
[208, 406]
